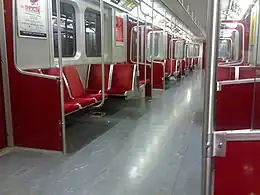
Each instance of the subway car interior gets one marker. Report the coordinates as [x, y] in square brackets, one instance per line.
[137, 97]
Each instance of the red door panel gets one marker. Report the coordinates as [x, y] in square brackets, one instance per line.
[239, 172]
[2, 115]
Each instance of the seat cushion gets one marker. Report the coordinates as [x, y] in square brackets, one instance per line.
[69, 107]
[85, 101]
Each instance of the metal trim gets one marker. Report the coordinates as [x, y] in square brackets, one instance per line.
[5, 79]
[241, 135]
[240, 81]
[88, 73]
[236, 72]
[110, 77]
[133, 81]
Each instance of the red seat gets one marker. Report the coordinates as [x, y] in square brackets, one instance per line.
[122, 79]
[70, 105]
[77, 89]
[70, 108]
[94, 82]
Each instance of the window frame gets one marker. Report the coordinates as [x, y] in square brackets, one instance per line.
[85, 38]
[75, 45]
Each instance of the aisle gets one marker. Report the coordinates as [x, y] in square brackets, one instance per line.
[157, 153]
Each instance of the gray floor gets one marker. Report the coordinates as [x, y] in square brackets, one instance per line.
[156, 154]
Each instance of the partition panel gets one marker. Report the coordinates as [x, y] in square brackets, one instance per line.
[35, 100]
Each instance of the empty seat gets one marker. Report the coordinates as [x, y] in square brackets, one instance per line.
[70, 105]
[122, 79]
[77, 89]
[94, 80]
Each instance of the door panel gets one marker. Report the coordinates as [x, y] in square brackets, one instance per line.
[3, 142]
[238, 172]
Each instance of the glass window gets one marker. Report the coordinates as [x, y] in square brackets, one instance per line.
[156, 44]
[92, 33]
[179, 49]
[68, 29]
[225, 49]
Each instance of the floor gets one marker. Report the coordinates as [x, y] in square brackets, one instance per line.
[156, 153]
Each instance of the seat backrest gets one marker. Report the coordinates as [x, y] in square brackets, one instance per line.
[73, 78]
[95, 76]
[225, 73]
[56, 72]
[247, 72]
[122, 76]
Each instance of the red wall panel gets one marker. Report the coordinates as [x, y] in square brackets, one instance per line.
[204, 56]
[2, 115]
[35, 102]
[234, 107]
[239, 172]
[158, 76]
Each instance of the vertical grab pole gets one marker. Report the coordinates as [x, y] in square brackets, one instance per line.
[138, 48]
[145, 50]
[171, 47]
[165, 47]
[61, 77]
[101, 4]
[152, 57]
[210, 97]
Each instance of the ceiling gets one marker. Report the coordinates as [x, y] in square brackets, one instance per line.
[199, 7]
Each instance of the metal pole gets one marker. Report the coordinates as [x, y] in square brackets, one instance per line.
[145, 50]
[138, 48]
[152, 57]
[102, 53]
[213, 17]
[165, 47]
[61, 78]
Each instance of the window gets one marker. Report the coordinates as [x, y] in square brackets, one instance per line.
[224, 49]
[156, 43]
[68, 29]
[92, 33]
[179, 49]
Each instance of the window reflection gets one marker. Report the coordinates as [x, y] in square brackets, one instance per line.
[92, 33]
[68, 29]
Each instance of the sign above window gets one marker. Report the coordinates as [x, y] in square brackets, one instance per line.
[126, 4]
